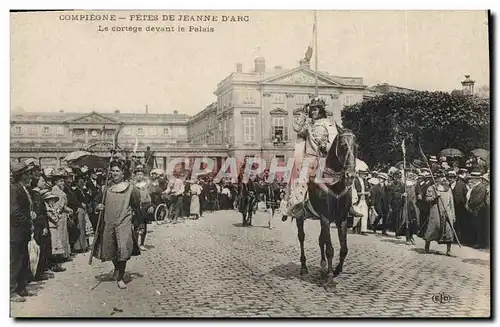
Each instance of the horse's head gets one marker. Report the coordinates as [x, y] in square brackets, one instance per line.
[342, 155]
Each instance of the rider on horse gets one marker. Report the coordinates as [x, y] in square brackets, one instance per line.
[315, 134]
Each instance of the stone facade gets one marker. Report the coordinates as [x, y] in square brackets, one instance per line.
[255, 110]
[49, 137]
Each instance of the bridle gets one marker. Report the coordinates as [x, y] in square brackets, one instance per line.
[343, 167]
[349, 150]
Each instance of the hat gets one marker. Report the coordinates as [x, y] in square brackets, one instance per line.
[452, 173]
[49, 195]
[445, 165]
[59, 172]
[475, 174]
[69, 171]
[486, 177]
[383, 176]
[317, 102]
[19, 168]
[462, 171]
[373, 181]
[139, 168]
[433, 159]
[32, 163]
[442, 159]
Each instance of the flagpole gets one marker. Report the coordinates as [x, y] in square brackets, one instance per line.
[316, 52]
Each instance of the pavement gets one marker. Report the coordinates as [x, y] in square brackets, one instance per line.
[214, 267]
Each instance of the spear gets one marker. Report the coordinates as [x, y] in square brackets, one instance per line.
[439, 199]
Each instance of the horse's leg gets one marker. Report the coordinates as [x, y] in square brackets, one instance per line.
[301, 235]
[325, 230]
[342, 232]
[322, 244]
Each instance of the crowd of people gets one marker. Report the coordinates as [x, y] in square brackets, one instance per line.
[445, 203]
[60, 209]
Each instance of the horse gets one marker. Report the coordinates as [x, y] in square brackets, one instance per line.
[330, 202]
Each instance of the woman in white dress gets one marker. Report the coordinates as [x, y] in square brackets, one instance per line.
[194, 209]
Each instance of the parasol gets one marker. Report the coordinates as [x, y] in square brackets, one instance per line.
[361, 165]
[481, 153]
[452, 153]
[84, 158]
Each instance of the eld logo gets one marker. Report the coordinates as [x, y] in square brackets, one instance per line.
[441, 298]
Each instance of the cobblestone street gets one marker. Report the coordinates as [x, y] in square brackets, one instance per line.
[213, 267]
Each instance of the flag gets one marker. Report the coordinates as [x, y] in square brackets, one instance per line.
[309, 51]
[136, 145]
[403, 148]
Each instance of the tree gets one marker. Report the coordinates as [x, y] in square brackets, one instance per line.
[436, 120]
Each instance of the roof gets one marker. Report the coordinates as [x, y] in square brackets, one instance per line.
[131, 118]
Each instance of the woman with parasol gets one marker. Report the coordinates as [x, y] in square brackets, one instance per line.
[116, 240]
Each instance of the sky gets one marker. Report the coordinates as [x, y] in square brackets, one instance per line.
[71, 66]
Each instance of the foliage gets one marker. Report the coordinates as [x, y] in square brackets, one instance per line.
[437, 120]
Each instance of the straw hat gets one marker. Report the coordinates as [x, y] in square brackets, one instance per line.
[49, 195]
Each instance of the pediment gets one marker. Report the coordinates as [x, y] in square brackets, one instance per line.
[93, 118]
[301, 76]
[278, 111]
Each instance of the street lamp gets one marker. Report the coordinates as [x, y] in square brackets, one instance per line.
[468, 86]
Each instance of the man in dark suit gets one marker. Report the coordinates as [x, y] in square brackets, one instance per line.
[460, 189]
[479, 208]
[379, 203]
[21, 216]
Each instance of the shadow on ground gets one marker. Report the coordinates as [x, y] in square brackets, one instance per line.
[291, 270]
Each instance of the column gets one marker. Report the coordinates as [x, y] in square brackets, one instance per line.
[289, 109]
[265, 132]
[70, 134]
[86, 136]
[336, 107]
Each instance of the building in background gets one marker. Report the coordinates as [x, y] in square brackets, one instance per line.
[255, 109]
[49, 137]
[252, 117]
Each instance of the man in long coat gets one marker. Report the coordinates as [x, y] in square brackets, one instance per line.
[379, 202]
[21, 216]
[479, 208]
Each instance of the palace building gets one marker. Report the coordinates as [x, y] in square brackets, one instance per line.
[252, 117]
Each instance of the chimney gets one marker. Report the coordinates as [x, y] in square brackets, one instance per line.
[117, 111]
[239, 68]
[260, 65]
[175, 112]
[146, 109]
[305, 63]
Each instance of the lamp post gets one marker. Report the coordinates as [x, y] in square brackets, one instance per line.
[468, 86]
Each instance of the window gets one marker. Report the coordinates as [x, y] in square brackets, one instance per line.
[60, 130]
[249, 129]
[32, 130]
[249, 97]
[167, 131]
[46, 130]
[280, 158]
[302, 99]
[279, 129]
[212, 139]
[140, 131]
[348, 100]
[18, 130]
[278, 98]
